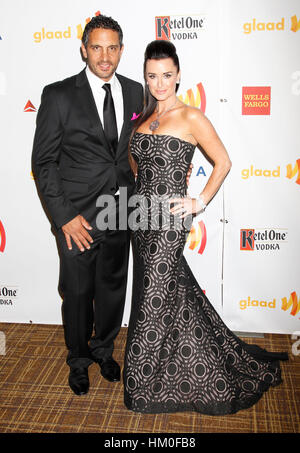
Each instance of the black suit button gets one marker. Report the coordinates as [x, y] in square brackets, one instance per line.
[116, 162]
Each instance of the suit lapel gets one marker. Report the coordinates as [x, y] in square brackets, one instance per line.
[88, 105]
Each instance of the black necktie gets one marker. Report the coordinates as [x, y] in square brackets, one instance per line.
[109, 117]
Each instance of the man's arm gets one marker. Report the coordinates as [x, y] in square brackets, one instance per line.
[45, 159]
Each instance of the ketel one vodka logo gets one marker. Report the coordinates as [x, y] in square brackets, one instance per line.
[174, 28]
[262, 239]
[8, 295]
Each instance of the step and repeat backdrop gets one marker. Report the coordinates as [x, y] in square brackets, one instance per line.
[240, 65]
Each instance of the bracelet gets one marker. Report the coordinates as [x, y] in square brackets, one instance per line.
[201, 202]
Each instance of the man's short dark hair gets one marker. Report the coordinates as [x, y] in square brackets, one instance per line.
[101, 21]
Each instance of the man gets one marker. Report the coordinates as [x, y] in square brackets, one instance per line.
[80, 152]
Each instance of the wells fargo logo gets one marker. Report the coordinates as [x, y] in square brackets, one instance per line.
[198, 237]
[61, 34]
[2, 237]
[198, 100]
[295, 26]
[178, 27]
[293, 303]
[256, 100]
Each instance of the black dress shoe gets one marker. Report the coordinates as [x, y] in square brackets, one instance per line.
[79, 380]
[110, 369]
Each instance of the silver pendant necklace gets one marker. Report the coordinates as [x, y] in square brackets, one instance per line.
[155, 124]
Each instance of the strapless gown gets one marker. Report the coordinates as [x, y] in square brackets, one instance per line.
[180, 356]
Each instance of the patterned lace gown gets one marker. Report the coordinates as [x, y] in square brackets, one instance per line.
[180, 356]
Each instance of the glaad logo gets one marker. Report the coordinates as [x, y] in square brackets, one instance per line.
[295, 24]
[268, 173]
[250, 27]
[249, 302]
[198, 237]
[262, 26]
[198, 101]
[79, 27]
[39, 36]
[66, 33]
[293, 303]
[29, 107]
[178, 27]
[262, 239]
[292, 171]
[2, 238]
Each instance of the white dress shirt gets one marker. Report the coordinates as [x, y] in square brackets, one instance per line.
[99, 94]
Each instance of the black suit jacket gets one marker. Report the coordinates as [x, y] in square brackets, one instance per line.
[71, 160]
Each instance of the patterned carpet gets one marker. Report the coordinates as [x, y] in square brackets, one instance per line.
[35, 396]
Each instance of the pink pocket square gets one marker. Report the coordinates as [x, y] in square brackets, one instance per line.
[135, 116]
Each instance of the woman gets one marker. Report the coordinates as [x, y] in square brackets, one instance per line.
[180, 355]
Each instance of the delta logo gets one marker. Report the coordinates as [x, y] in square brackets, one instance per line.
[256, 100]
[45, 34]
[198, 100]
[292, 172]
[29, 107]
[197, 237]
[262, 239]
[2, 237]
[178, 27]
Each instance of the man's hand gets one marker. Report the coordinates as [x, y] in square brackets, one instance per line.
[189, 174]
[77, 230]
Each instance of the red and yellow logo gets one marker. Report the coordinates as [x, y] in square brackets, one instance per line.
[80, 28]
[295, 24]
[292, 172]
[198, 100]
[198, 237]
[40, 36]
[29, 107]
[293, 303]
[256, 100]
[2, 237]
